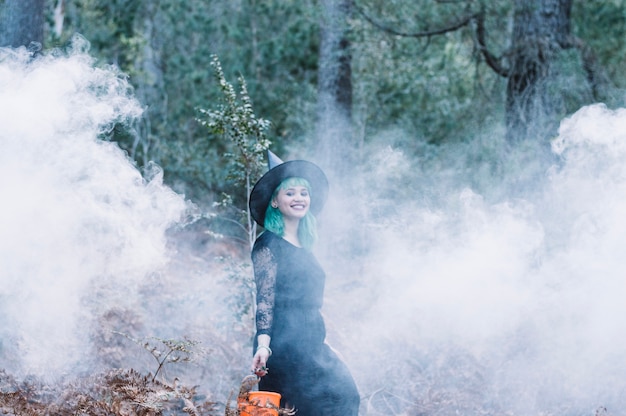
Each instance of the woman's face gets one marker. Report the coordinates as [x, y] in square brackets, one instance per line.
[293, 202]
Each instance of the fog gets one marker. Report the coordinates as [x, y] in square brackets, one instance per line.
[455, 283]
[489, 293]
[80, 226]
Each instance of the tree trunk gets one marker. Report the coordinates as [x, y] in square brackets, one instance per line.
[541, 31]
[335, 85]
[58, 17]
[22, 22]
[150, 84]
[335, 75]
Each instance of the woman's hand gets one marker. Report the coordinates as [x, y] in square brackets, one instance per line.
[262, 354]
[259, 362]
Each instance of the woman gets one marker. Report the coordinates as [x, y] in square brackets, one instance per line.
[290, 354]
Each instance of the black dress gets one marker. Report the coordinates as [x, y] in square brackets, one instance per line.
[303, 369]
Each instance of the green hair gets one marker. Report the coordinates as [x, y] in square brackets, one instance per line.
[307, 229]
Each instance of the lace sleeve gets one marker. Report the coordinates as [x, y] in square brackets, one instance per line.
[265, 278]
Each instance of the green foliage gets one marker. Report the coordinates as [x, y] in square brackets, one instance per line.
[430, 87]
[108, 25]
[234, 120]
[166, 47]
[438, 89]
[601, 26]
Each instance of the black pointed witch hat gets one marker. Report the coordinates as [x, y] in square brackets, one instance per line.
[263, 190]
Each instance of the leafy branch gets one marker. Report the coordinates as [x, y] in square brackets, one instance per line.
[234, 119]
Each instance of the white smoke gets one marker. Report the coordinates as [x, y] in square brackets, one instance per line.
[77, 218]
[469, 303]
[467, 298]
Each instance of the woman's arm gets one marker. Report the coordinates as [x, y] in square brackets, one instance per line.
[265, 279]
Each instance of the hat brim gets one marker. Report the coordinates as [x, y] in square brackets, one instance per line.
[263, 190]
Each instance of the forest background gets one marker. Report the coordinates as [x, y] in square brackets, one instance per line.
[433, 95]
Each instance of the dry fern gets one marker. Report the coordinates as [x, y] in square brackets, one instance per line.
[118, 392]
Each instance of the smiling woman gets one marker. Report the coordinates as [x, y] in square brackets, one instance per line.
[292, 200]
[290, 288]
[288, 214]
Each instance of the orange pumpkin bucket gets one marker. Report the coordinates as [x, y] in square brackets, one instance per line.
[259, 403]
